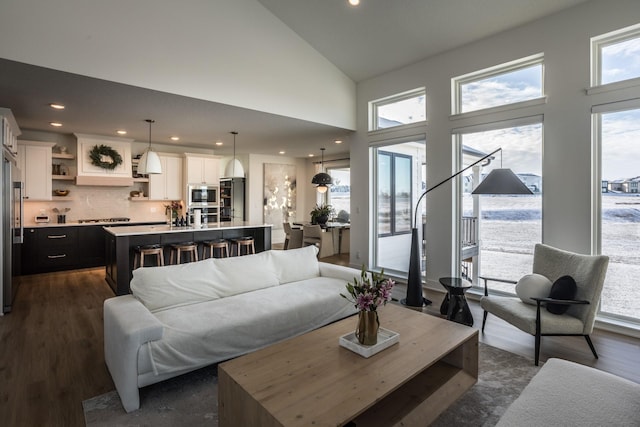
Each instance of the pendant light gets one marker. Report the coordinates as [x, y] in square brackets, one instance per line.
[149, 163]
[322, 180]
[234, 168]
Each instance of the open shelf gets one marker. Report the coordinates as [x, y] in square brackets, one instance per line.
[66, 156]
[63, 177]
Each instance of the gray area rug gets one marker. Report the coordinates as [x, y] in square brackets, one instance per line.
[192, 399]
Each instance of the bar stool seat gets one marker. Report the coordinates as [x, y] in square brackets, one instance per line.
[141, 251]
[221, 244]
[246, 242]
[177, 249]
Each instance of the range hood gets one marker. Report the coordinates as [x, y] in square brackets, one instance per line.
[94, 175]
[105, 181]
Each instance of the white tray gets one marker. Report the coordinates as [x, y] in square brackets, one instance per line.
[386, 338]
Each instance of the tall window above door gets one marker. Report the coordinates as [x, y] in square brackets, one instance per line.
[504, 84]
[616, 56]
[397, 110]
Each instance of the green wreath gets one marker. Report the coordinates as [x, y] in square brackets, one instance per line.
[99, 152]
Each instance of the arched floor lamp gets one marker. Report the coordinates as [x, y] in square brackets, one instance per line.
[499, 181]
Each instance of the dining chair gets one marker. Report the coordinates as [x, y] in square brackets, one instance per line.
[293, 236]
[313, 235]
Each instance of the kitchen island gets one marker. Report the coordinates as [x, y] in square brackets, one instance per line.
[122, 241]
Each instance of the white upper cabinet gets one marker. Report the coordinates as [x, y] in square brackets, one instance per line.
[202, 169]
[34, 160]
[168, 184]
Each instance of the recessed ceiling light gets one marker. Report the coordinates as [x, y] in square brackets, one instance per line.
[338, 141]
[56, 106]
[282, 152]
[354, 2]
[218, 143]
[55, 124]
[175, 138]
[121, 132]
[310, 155]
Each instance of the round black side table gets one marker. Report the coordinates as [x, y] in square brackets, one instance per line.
[455, 304]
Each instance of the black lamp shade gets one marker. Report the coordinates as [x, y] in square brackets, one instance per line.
[501, 181]
[322, 179]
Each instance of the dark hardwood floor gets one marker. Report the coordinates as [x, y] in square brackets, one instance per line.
[51, 347]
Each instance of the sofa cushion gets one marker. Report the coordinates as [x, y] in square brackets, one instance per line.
[212, 331]
[240, 274]
[566, 393]
[161, 288]
[533, 286]
[294, 265]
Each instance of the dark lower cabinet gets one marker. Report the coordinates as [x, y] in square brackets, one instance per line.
[50, 249]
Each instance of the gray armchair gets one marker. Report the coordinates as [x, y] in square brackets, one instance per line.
[587, 270]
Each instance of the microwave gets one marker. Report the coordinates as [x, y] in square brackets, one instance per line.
[202, 195]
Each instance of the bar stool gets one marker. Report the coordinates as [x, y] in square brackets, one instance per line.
[141, 251]
[243, 242]
[187, 247]
[221, 244]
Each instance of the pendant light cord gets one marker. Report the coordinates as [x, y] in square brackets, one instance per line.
[150, 121]
[234, 133]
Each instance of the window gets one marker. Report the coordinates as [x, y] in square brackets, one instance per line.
[509, 226]
[398, 110]
[505, 84]
[616, 56]
[394, 193]
[340, 192]
[618, 136]
[397, 184]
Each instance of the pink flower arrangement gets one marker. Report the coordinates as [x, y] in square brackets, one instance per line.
[371, 292]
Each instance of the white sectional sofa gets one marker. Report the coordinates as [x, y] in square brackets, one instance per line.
[181, 318]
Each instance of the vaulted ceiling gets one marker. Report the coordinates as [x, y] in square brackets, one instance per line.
[364, 41]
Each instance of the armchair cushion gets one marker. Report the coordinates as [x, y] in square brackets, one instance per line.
[563, 288]
[523, 316]
[533, 286]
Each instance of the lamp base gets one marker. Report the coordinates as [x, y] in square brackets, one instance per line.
[414, 280]
[425, 302]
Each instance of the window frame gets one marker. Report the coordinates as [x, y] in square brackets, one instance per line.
[508, 67]
[399, 97]
[608, 39]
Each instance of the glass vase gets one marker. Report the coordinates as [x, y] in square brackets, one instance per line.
[368, 324]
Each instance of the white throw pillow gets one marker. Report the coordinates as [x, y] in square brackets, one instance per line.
[240, 274]
[294, 265]
[159, 288]
[533, 285]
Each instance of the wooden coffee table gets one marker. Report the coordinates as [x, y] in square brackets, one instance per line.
[311, 380]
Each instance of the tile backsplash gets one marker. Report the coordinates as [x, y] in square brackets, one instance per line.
[96, 202]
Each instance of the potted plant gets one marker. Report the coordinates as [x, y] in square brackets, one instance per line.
[320, 214]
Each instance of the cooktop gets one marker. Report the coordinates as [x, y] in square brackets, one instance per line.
[115, 219]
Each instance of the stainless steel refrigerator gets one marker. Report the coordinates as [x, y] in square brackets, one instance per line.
[12, 230]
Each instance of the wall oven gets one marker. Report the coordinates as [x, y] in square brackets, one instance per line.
[202, 196]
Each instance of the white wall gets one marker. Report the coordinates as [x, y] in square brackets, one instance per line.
[230, 51]
[564, 39]
[255, 187]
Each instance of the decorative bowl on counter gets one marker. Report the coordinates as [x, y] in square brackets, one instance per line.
[135, 194]
[60, 192]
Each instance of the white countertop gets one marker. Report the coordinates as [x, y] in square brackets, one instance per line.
[78, 224]
[137, 230]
